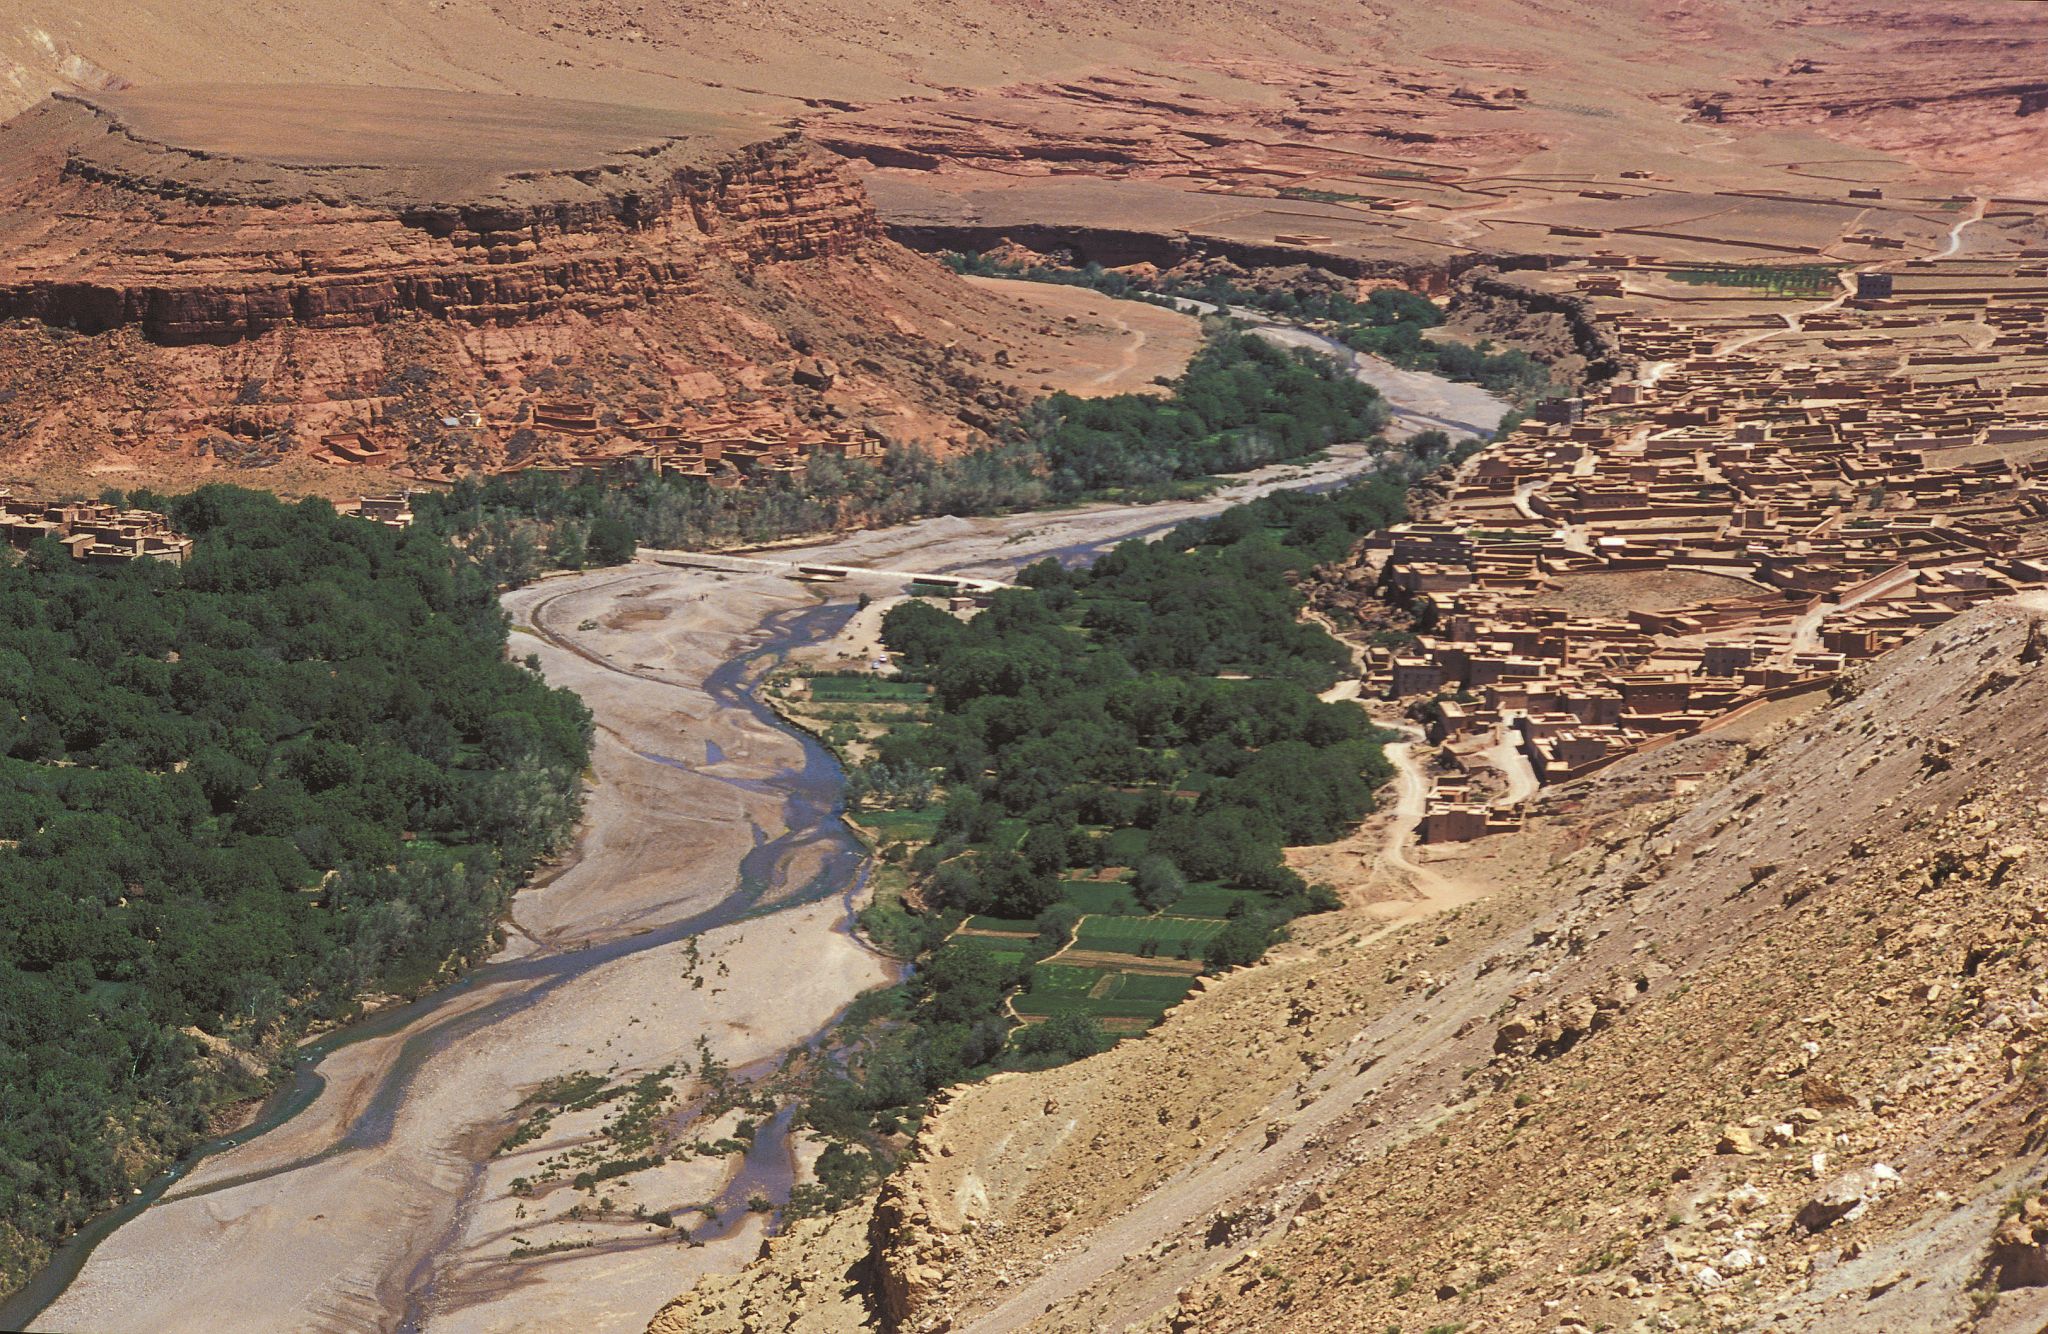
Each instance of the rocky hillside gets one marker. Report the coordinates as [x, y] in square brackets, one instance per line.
[1767, 1053]
[228, 275]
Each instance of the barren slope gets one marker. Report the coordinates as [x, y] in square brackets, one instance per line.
[1389, 135]
[1764, 1054]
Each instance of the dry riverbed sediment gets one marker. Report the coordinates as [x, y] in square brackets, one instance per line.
[706, 901]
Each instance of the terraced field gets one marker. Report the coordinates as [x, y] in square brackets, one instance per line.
[1122, 1002]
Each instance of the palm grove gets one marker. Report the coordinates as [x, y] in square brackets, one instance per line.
[1241, 403]
[234, 797]
[239, 795]
[1154, 717]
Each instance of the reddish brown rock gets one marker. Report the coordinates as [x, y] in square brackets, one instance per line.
[255, 270]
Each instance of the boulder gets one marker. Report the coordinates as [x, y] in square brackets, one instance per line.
[2019, 1249]
[814, 373]
[1846, 1196]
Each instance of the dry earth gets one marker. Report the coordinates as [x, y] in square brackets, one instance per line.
[1103, 346]
[244, 210]
[1765, 1054]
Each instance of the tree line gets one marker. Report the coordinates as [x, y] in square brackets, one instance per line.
[1389, 323]
[1156, 712]
[235, 796]
[1240, 404]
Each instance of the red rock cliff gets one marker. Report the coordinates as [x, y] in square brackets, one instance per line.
[192, 246]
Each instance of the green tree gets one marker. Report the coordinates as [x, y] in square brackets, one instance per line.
[1158, 883]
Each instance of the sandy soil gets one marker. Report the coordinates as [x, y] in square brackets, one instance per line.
[1628, 590]
[456, 136]
[1112, 346]
[1421, 401]
[381, 1196]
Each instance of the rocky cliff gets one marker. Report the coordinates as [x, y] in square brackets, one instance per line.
[231, 274]
[190, 245]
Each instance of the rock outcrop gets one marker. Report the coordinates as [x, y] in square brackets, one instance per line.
[197, 276]
[339, 247]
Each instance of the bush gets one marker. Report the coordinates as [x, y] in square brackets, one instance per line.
[1158, 883]
[1064, 1037]
[1243, 941]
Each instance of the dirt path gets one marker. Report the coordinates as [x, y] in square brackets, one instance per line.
[1506, 755]
[1795, 321]
[1111, 345]
[1263, 1158]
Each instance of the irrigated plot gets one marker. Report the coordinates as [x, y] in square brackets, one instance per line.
[999, 926]
[888, 826]
[1165, 937]
[867, 690]
[1057, 989]
[1210, 900]
[1100, 896]
[1104, 994]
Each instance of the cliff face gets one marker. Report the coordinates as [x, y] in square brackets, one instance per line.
[1558, 327]
[193, 280]
[277, 247]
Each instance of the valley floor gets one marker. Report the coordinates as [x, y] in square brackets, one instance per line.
[710, 852]
[1742, 1032]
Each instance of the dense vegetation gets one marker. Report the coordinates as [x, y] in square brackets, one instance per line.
[233, 797]
[1241, 403]
[1388, 324]
[1136, 742]
[1770, 279]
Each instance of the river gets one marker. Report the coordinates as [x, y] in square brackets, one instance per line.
[368, 1195]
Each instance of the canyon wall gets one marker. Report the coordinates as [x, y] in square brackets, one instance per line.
[181, 294]
[357, 258]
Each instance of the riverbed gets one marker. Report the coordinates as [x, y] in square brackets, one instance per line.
[373, 1197]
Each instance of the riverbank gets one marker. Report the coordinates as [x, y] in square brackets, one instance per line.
[382, 1197]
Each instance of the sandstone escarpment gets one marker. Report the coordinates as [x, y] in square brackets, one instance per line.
[1558, 327]
[191, 242]
[199, 278]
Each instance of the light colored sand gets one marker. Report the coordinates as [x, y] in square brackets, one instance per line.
[341, 1238]
[1113, 346]
[406, 128]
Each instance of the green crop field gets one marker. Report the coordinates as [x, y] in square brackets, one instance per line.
[1012, 925]
[1056, 989]
[1153, 988]
[1100, 896]
[1208, 900]
[1128, 935]
[917, 826]
[867, 690]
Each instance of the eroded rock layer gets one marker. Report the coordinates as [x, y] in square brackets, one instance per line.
[190, 244]
[201, 276]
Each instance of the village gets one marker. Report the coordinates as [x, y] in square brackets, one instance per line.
[1774, 498]
[94, 533]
